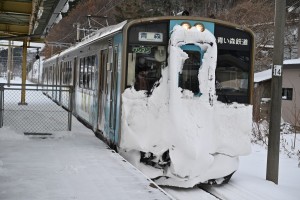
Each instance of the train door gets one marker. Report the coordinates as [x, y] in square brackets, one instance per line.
[188, 79]
[112, 92]
[109, 71]
[102, 88]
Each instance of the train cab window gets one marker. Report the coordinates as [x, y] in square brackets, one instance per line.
[188, 79]
[144, 66]
[147, 54]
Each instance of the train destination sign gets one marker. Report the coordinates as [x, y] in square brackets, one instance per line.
[234, 41]
[141, 49]
[150, 37]
[229, 38]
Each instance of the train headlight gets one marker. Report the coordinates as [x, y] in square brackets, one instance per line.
[186, 25]
[200, 27]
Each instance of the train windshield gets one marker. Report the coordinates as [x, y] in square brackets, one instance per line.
[232, 77]
[188, 79]
[233, 65]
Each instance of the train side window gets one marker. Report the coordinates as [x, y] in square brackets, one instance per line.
[68, 72]
[58, 74]
[87, 73]
[81, 72]
[102, 69]
[92, 80]
[65, 77]
[72, 67]
[65, 73]
[52, 74]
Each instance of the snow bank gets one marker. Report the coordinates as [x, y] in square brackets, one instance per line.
[189, 139]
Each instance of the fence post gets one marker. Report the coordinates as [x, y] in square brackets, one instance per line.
[70, 110]
[1, 104]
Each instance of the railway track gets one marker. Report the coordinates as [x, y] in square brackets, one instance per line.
[223, 192]
[190, 194]
[231, 191]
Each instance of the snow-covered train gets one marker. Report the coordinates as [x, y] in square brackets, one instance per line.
[172, 94]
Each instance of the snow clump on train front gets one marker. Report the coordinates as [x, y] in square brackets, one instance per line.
[177, 138]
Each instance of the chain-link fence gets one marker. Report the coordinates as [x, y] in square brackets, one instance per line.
[31, 109]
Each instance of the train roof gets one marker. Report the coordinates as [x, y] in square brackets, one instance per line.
[105, 31]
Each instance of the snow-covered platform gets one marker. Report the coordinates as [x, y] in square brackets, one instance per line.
[68, 165]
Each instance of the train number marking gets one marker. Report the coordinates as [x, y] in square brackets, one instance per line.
[277, 70]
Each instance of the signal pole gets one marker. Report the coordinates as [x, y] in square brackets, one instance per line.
[276, 93]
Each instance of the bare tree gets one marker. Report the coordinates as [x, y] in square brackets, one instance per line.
[65, 31]
[259, 17]
[294, 114]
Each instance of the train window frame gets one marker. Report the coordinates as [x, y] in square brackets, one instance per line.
[63, 73]
[87, 68]
[85, 73]
[93, 72]
[102, 70]
[81, 66]
[69, 72]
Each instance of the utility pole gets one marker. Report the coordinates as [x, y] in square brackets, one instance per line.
[276, 93]
[78, 32]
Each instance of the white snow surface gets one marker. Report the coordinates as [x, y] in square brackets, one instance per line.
[77, 165]
[263, 76]
[65, 165]
[292, 61]
[204, 137]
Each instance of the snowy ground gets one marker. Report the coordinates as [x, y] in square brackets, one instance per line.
[67, 165]
[76, 165]
[249, 182]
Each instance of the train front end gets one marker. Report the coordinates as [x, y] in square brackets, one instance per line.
[186, 117]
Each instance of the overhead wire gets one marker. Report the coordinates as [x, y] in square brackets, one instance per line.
[105, 9]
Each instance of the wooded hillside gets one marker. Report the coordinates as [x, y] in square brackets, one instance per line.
[256, 14]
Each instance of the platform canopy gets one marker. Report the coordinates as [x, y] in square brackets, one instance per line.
[29, 19]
